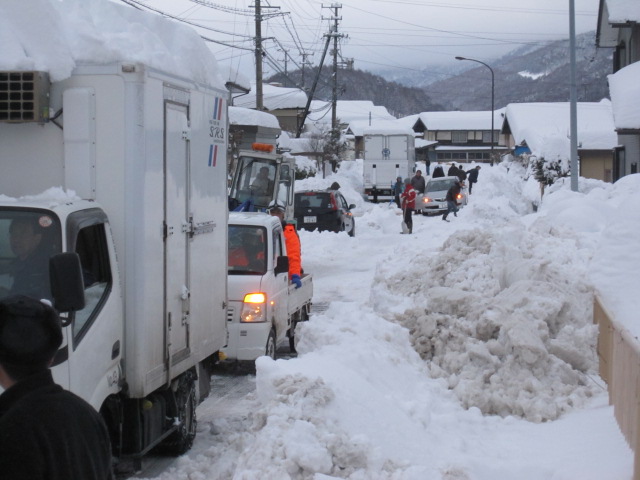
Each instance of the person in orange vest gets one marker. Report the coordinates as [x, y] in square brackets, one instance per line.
[292, 242]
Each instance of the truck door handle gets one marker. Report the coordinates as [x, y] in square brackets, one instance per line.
[115, 350]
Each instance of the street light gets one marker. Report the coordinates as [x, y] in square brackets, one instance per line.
[492, 96]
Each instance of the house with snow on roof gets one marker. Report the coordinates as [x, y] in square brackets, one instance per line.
[542, 129]
[287, 104]
[619, 29]
[347, 111]
[463, 137]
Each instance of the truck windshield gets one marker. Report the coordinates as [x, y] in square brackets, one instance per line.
[27, 239]
[254, 182]
[247, 250]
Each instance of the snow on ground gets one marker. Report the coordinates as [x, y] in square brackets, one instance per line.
[465, 351]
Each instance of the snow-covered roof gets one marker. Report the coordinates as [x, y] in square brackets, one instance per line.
[623, 11]
[247, 116]
[476, 120]
[625, 96]
[409, 120]
[421, 143]
[545, 127]
[55, 36]
[347, 111]
[388, 128]
[358, 127]
[274, 97]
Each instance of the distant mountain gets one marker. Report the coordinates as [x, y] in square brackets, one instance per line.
[400, 100]
[525, 75]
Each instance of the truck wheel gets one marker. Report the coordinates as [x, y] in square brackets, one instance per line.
[270, 350]
[180, 441]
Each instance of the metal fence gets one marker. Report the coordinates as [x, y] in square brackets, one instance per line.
[619, 355]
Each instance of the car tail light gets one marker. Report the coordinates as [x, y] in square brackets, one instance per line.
[334, 204]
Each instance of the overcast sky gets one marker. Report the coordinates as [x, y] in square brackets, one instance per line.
[379, 34]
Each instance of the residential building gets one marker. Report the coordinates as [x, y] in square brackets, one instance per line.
[542, 129]
[461, 136]
[619, 29]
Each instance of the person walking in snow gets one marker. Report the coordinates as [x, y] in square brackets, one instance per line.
[473, 176]
[46, 432]
[427, 162]
[408, 205]
[453, 171]
[417, 182]
[451, 198]
[398, 188]
[438, 172]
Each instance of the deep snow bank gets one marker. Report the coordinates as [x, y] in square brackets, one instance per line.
[508, 327]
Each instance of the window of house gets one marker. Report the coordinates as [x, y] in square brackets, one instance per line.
[486, 137]
[443, 135]
[459, 136]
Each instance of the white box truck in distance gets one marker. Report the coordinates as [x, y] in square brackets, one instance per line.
[388, 153]
[144, 153]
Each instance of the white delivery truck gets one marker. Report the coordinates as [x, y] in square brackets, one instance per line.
[264, 307]
[144, 152]
[261, 177]
[388, 153]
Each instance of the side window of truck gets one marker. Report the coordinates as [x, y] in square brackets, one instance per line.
[90, 243]
[277, 244]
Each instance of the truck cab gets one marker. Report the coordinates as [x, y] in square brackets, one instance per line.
[260, 178]
[264, 307]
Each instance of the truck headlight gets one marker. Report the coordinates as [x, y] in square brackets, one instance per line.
[254, 308]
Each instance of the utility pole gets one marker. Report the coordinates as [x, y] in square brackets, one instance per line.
[258, 54]
[304, 64]
[335, 134]
[573, 110]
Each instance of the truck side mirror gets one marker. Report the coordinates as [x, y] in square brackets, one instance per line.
[282, 264]
[67, 286]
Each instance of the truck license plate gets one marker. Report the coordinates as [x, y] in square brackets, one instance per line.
[309, 219]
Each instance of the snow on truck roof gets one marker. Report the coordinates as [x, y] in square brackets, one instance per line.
[99, 32]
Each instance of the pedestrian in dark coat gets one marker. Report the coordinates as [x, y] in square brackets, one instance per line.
[452, 200]
[473, 176]
[408, 204]
[417, 182]
[398, 188]
[437, 172]
[453, 171]
[462, 175]
[46, 432]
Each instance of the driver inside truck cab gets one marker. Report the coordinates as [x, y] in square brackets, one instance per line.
[262, 185]
[30, 244]
[246, 249]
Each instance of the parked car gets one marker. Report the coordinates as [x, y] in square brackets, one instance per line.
[433, 201]
[323, 210]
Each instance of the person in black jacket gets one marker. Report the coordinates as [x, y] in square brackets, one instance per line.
[473, 176]
[45, 432]
[453, 171]
[451, 198]
[437, 172]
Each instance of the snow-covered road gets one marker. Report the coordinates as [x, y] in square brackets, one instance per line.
[465, 351]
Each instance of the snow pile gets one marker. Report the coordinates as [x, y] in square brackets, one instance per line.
[507, 326]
